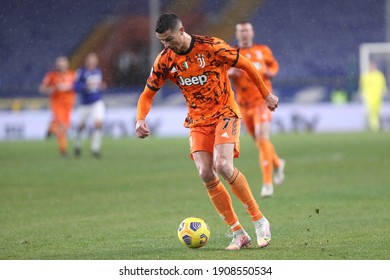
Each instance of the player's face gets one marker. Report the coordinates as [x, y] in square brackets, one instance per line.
[172, 39]
[244, 34]
[372, 66]
[91, 61]
[62, 64]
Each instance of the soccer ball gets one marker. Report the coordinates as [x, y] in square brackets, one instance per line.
[193, 232]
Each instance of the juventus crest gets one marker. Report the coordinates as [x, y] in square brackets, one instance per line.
[201, 61]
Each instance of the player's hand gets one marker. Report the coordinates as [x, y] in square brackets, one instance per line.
[141, 129]
[49, 90]
[64, 86]
[272, 101]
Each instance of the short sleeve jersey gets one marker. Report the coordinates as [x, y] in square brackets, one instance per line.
[201, 74]
[56, 79]
[263, 59]
[88, 85]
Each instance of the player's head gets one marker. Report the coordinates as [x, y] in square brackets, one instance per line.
[91, 61]
[170, 31]
[244, 34]
[373, 65]
[62, 64]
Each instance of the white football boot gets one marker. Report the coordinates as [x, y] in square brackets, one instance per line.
[263, 232]
[267, 191]
[240, 241]
[279, 173]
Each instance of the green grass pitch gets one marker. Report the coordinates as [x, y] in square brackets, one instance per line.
[335, 203]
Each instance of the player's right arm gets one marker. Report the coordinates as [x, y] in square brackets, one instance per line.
[155, 81]
[79, 84]
[144, 105]
[46, 86]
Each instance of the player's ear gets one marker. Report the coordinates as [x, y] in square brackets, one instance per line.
[181, 30]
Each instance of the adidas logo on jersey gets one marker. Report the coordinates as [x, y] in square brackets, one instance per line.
[196, 80]
[225, 135]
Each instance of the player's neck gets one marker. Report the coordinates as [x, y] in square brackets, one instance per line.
[186, 43]
[245, 45]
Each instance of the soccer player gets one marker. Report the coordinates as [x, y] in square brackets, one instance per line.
[373, 87]
[58, 85]
[89, 85]
[255, 114]
[198, 65]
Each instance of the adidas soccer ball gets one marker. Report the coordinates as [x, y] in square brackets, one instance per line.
[193, 232]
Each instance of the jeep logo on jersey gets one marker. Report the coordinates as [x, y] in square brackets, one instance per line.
[196, 80]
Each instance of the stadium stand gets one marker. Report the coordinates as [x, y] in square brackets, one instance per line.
[316, 42]
[35, 32]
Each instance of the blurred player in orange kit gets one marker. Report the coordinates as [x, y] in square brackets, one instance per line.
[58, 85]
[255, 114]
[198, 65]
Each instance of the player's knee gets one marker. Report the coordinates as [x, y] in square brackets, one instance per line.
[206, 174]
[224, 167]
[262, 136]
[81, 127]
[262, 139]
[98, 125]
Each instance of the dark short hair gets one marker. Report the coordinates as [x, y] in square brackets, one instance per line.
[166, 22]
[244, 22]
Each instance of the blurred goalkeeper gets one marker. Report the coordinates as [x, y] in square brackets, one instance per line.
[255, 114]
[198, 65]
[372, 88]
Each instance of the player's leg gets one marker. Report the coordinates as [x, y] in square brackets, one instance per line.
[66, 115]
[201, 143]
[220, 197]
[374, 114]
[51, 130]
[59, 113]
[268, 158]
[226, 148]
[266, 155]
[247, 115]
[98, 112]
[82, 114]
[64, 119]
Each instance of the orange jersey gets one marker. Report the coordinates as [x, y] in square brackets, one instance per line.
[263, 59]
[201, 74]
[60, 81]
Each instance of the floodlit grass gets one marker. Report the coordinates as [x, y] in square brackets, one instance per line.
[128, 205]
